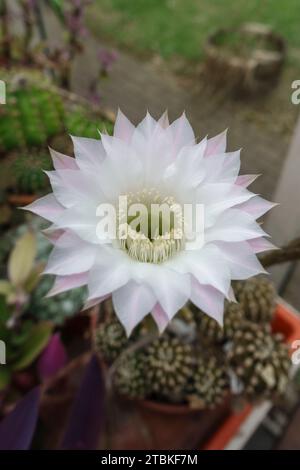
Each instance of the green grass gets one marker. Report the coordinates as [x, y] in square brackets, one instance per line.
[179, 27]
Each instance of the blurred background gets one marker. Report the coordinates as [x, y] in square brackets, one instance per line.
[67, 66]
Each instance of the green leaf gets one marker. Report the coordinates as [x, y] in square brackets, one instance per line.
[21, 336]
[34, 278]
[5, 287]
[4, 312]
[57, 7]
[20, 263]
[5, 376]
[36, 342]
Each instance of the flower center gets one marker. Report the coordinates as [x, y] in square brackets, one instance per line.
[150, 226]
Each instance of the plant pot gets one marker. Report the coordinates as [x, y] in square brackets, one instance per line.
[147, 424]
[21, 199]
[287, 322]
[150, 425]
[244, 70]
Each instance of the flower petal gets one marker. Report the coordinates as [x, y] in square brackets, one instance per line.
[160, 317]
[71, 255]
[47, 207]
[261, 244]
[93, 302]
[234, 225]
[171, 289]
[182, 133]
[65, 283]
[62, 162]
[123, 128]
[208, 299]
[240, 259]
[164, 120]
[132, 303]
[245, 180]
[217, 144]
[106, 275]
[256, 206]
[89, 153]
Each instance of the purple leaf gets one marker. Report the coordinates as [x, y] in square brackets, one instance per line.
[17, 428]
[87, 414]
[53, 358]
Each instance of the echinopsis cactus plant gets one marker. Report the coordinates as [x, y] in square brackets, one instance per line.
[155, 270]
[194, 361]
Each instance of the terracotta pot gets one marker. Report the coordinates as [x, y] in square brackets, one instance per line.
[152, 425]
[180, 427]
[21, 199]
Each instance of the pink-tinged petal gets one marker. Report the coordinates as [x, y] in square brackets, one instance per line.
[208, 299]
[89, 153]
[231, 165]
[71, 186]
[218, 198]
[123, 127]
[47, 207]
[132, 303]
[256, 206]
[208, 267]
[53, 233]
[261, 244]
[246, 180]
[71, 255]
[93, 302]
[234, 226]
[61, 191]
[160, 317]
[182, 133]
[62, 162]
[65, 283]
[83, 221]
[164, 120]
[172, 289]
[188, 166]
[147, 126]
[231, 295]
[105, 278]
[53, 358]
[240, 259]
[216, 145]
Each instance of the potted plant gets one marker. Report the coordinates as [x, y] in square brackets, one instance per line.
[181, 386]
[244, 60]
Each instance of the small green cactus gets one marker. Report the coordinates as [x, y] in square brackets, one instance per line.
[129, 378]
[57, 308]
[260, 361]
[110, 339]
[257, 296]
[209, 384]
[29, 172]
[168, 367]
